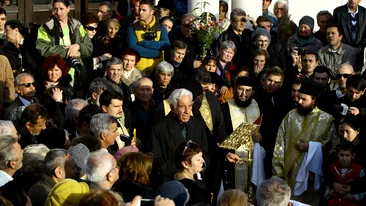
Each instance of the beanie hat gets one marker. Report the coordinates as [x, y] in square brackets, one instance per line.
[125, 150]
[308, 21]
[175, 191]
[68, 192]
[259, 32]
[80, 154]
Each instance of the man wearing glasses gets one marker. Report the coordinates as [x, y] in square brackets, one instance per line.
[105, 13]
[25, 87]
[239, 35]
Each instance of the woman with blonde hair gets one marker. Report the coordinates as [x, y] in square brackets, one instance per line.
[112, 41]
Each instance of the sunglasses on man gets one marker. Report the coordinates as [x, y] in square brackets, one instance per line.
[28, 85]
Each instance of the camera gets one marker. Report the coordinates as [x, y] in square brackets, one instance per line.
[301, 50]
[150, 35]
[75, 63]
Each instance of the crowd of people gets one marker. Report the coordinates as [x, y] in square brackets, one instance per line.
[114, 110]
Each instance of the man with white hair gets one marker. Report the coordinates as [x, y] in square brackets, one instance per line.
[11, 156]
[275, 192]
[8, 128]
[102, 171]
[177, 127]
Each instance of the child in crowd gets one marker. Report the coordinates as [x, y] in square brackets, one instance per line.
[341, 174]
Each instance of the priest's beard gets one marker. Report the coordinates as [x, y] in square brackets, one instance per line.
[305, 110]
[241, 103]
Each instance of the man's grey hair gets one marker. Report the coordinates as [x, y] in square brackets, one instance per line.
[165, 67]
[18, 79]
[347, 65]
[101, 123]
[284, 2]
[228, 45]
[113, 61]
[6, 127]
[177, 94]
[98, 165]
[55, 158]
[186, 16]
[321, 13]
[109, 5]
[273, 192]
[7, 151]
[73, 108]
[237, 12]
[136, 84]
[98, 85]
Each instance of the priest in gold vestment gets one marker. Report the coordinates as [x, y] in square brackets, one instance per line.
[243, 108]
[300, 127]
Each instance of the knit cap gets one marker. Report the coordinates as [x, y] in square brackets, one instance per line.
[259, 32]
[80, 154]
[68, 192]
[119, 154]
[308, 21]
[175, 191]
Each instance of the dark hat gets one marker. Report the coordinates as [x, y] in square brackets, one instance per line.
[259, 32]
[246, 81]
[175, 191]
[311, 87]
[308, 21]
[19, 25]
[192, 85]
[215, 78]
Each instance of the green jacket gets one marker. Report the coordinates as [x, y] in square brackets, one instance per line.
[47, 43]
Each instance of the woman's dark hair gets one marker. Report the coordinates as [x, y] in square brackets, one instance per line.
[14, 192]
[207, 60]
[184, 152]
[202, 75]
[224, 5]
[353, 121]
[50, 62]
[16, 24]
[166, 18]
[89, 18]
[65, 2]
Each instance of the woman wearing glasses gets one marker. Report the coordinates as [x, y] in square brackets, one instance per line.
[95, 63]
[189, 163]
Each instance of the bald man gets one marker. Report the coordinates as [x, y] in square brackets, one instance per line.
[140, 110]
[329, 98]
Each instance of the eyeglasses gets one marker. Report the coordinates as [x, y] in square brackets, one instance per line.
[90, 28]
[186, 147]
[103, 12]
[339, 76]
[280, 9]
[188, 26]
[118, 165]
[243, 19]
[27, 85]
[3, 19]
